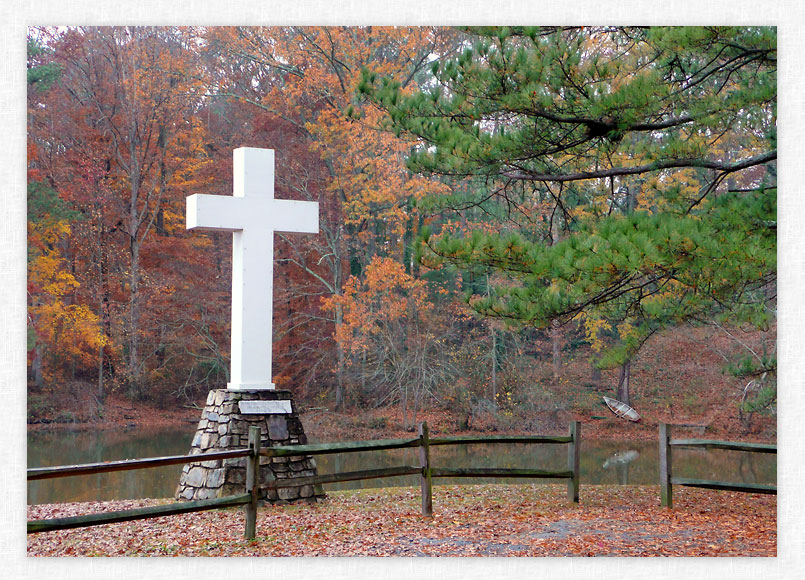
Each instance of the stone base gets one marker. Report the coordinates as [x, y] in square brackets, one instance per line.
[223, 426]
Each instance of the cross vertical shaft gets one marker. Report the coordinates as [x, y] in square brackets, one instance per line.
[252, 215]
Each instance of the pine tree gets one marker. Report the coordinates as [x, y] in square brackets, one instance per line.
[655, 146]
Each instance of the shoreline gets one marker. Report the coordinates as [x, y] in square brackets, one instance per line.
[595, 430]
[386, 423]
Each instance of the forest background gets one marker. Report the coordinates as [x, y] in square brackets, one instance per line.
[513, 221]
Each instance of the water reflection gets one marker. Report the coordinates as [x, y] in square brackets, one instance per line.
[620, 462]
[602, 463]
[70, 448]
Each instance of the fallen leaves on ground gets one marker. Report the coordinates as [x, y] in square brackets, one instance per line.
[480, 520]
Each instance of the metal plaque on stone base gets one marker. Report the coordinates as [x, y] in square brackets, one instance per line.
[265, 407]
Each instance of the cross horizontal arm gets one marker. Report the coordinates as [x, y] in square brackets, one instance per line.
[229, 213]
[295, 216]
[215, 212]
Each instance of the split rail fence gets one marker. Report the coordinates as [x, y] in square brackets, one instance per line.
[666, 472]
[249, 499]
[426, 470]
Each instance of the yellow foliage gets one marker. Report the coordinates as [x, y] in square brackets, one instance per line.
[70, 333]
[627, 330]
[46, 272]
[593, 327]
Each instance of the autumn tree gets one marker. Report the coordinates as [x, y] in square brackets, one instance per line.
[297, 85]
[390, 333]
[137, 118]
[633, 112]
[117, 138]
[63, 334]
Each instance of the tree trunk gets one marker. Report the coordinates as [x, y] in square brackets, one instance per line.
[36, 366]
[494, 357]
[631, 201]
[404, 403]
[416, 408]
[135, 221]
[625, 373]
[556, 333]
[556, 348]
[101, 395]
[341, 362]
[623, 383]
[106, 317]
[494, 381]
[134, 374]
[595, 374]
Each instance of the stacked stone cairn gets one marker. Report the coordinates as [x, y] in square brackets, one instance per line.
[223, 427]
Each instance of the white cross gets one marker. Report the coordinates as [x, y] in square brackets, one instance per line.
[252, 215]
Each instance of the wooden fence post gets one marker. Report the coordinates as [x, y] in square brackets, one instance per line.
[666, 496]
[573, 461]
[252, 482]
[425, 481]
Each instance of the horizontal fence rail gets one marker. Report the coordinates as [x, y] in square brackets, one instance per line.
[127, 464]
[339, 447]
[383, 444]
[495, 472]
[730, 445]
[666, 471]
[469, 439]
[247, 499]
[725, 486]
[344, 476]
[136, 514]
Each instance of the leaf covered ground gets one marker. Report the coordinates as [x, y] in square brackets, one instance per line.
[480, 520]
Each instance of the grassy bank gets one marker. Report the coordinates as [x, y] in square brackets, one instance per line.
[481, 520]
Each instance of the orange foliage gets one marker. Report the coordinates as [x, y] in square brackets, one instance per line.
[386, 296]
[310, 76]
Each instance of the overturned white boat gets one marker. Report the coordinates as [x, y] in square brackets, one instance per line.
[622, 410]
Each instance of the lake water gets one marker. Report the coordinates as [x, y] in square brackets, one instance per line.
[602, 462]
